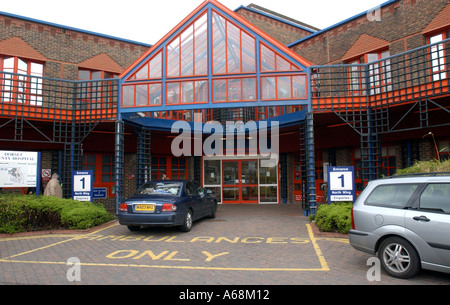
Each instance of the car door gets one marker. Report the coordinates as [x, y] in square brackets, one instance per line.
[430, 220]
[206, 203]
[195, 199]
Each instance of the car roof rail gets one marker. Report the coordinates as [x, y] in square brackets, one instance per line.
[432, 174]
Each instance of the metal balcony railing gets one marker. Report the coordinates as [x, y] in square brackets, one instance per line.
[41, 98]
[419, 73]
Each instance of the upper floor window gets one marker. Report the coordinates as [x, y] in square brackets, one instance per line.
[380, 77]
[84, 74]
[437, 54]
[22, 82]
[378, 73]
[94, 90]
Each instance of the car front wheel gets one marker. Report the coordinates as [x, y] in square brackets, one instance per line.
[399, 258]
[187, 223]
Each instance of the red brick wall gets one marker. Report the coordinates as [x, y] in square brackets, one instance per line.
[402, 26]
[64, 50]
[281, 31]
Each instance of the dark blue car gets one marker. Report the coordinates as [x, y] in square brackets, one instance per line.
[167, 203]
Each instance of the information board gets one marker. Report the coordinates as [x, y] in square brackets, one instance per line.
[19, 169]
[341, 183]
[82, 185]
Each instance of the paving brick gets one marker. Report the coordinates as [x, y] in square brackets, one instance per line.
[245, 245]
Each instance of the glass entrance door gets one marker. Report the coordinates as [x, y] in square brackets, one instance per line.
[240, 181]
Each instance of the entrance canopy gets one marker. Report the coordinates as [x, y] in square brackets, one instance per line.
[166, 125]
[214, 59]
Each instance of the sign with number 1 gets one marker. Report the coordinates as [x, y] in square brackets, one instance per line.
[82, 185]
[341, 184]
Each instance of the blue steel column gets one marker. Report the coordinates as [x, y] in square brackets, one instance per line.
[143, 156]
[370, 150]
[119, 161]
[284, 188]
[310, 165]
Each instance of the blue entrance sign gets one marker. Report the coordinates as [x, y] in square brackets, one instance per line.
[82, 185]
[341, 183]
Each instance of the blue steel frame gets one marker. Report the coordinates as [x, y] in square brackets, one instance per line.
[127, 114]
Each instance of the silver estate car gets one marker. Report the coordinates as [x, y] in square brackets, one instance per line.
[406, 221]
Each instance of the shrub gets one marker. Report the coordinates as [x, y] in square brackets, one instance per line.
[432, 166]
[334, 217]
[29, 212]
[83, 217]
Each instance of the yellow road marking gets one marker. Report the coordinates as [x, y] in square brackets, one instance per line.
[55, 244]
[169, 267]
[319, 254]
[323, 263]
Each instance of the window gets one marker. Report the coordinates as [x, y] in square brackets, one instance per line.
[389, 164]
[283, 87]
[262, 113]
[389, 160]
[188, 92]
[167, 188]
[298, 183]
[103, 167]
[236, 89]
[357, 80]
[391, 195]
[159, 167]
[191, 190]
[234, 51]
[22, 82]
[187, 54]
[268, 184]
[107, 168]
[357, 163]
[173, 115]
[93, 90]
[444, 150]
[151, 70]
[174, 168]
[270, 61]
[89, 163]
[379, 72]
[178, 169]
[438, 64]
[84, 74]
[212, 177]
[436, 198]
[143, 95]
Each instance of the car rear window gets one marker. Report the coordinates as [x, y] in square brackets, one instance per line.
[160, 188]
[436, 198]
[391, 195]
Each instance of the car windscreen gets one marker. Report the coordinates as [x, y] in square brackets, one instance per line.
[160, 188]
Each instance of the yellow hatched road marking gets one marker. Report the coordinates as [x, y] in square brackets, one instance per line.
[55, 244]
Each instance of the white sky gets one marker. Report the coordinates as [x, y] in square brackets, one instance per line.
[147, 21]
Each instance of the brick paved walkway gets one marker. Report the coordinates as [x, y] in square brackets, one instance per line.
[257, 245]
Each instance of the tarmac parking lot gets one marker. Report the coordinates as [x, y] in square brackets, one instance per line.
[243, 245]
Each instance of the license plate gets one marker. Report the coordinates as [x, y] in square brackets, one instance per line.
[145, 207]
